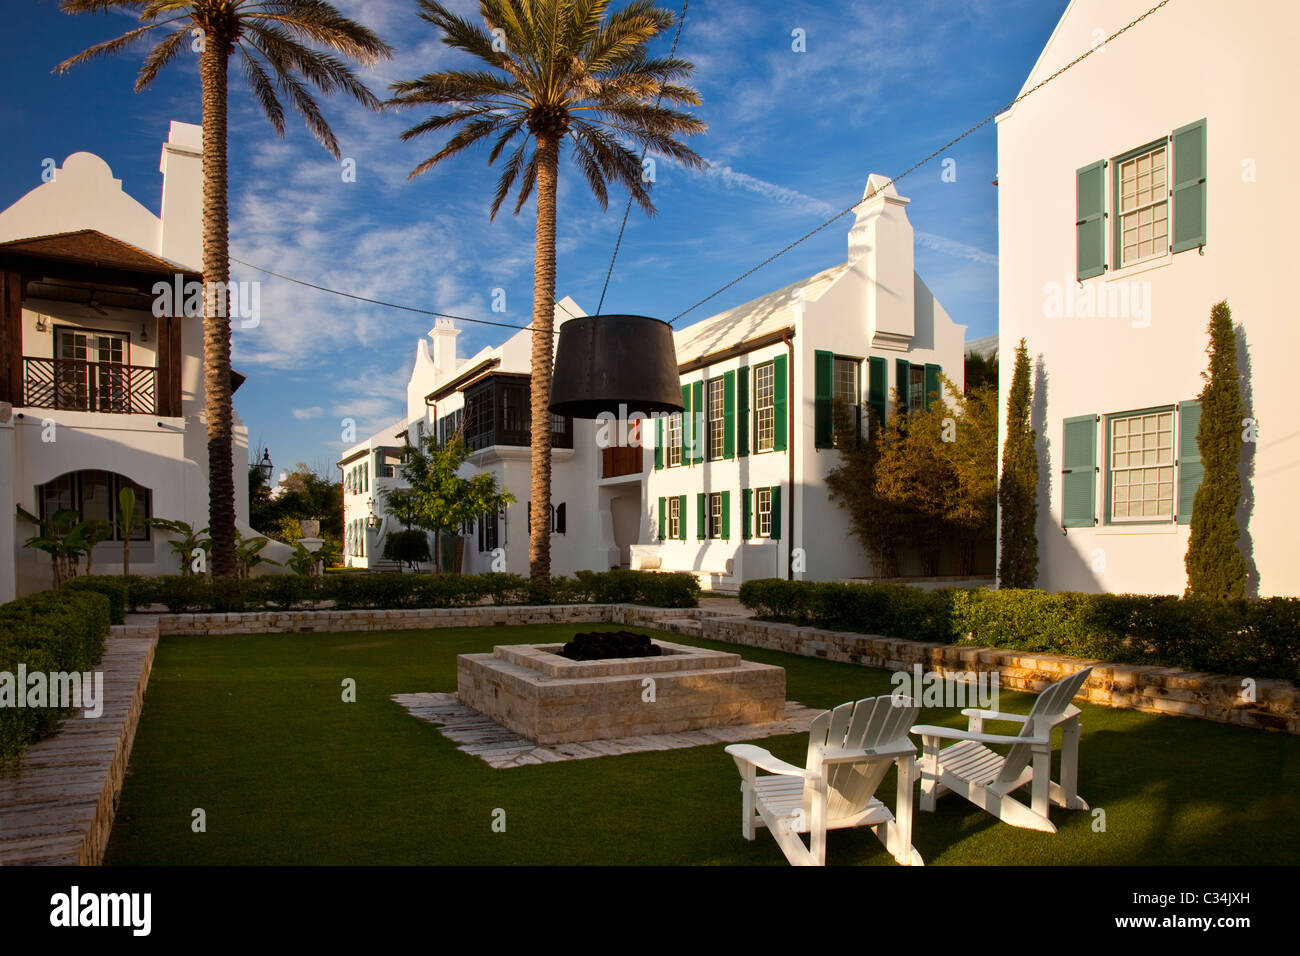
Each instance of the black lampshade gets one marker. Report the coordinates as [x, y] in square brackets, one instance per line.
[603, 362]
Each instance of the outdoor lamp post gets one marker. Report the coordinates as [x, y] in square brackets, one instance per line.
[264, 467]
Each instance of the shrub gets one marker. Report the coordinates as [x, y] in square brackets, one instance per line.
[112, 588]
[50, 631]
[408, 547]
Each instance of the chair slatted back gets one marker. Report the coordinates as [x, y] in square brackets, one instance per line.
[1050, 705]
[862, 725]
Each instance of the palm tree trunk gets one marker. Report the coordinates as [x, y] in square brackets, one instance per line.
[539, 540]
[216, 322]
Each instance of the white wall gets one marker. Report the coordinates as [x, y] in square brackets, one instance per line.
[1185, 63]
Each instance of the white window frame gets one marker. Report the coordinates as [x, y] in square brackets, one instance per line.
[763, 515]
[717, 405]
[715, 515]
[674, 518]
[764, 414]
[674, 431]
[1168, 466]
[1159, 198]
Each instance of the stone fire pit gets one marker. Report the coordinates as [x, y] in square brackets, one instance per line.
[538, 694]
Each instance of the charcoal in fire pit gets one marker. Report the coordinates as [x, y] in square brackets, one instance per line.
[601, 645]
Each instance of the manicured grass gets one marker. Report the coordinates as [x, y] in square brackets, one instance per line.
[253, 730]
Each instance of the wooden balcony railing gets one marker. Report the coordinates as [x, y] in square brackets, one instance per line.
[90, 386]
[620, 461]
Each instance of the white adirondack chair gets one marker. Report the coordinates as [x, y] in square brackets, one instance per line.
[988, 780]
[850, 749]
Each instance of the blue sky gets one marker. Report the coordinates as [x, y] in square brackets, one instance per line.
[792, 137]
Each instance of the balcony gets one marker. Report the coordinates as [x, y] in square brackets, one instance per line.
[83, 386]
[618, 461]
[497, 412]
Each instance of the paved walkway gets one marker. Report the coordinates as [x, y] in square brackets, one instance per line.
[500, 747]
[59, 807]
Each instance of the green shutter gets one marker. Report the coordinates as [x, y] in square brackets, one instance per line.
[686, 425]
[1188, 187]
[746, 519]
[1190, 468]
[1079, 471]
[823, 422]
[931, 382]
[1090, 220]
[663, 518]
[726, 516]
[681, 517]
[742, 411]
[699, 431]
[776, 512]
[729, 415]
[700, 516]
[779, 401]
[659, 446]
[902, 375]
[878, 385]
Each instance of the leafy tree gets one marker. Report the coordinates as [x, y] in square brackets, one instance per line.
[186, 542]
[438, 498]
[559, 71]
[1216, 568]
[913, 478]
[129, 521]
[1018, 488]
[275, 38]
[63, 537]
[981, 371]
[968, 432]
[853, 484]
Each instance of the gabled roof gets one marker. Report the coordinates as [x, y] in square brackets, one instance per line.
[93, 248]
[758, 317]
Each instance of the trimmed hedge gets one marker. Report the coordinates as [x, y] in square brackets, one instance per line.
[185, 594]
[52, 631]
[1257, 637]
[113, 588]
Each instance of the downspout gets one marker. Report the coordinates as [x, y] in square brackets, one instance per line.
[789, 453]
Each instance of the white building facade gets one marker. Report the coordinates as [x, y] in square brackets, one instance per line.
[96, 392]
[1136, 191]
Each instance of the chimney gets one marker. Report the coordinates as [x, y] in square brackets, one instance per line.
[444, 334]
[880, 248]
[182, 198]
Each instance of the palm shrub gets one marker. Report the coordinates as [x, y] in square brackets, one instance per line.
[1018, 487]
[557, 72]
[1216, 568]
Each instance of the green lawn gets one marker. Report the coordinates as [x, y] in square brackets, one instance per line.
[252, 729]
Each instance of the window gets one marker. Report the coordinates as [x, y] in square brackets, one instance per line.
[717, 418]
[675, 440]
[1143, 207]
[763, 501]
[96, 495]
[765, 407]
[715, 515]
[674, 517]
[845, 396]
[90, 370]
[487, 533]
[1142, 466]
[916, 387]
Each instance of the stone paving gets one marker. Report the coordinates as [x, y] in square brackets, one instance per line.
[499, 747]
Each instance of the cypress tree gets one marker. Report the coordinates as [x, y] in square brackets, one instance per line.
[1018, 488]
[1216, 568]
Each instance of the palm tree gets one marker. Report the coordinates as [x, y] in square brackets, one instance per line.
[561, 72]
[272, 37]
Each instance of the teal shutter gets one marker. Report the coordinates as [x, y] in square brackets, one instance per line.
[663, 518]
[779, 401]
[686, 425]
[726, 516]
[823, 421]
[1190, 468]
[746, 519]
[776, 512]
[681, 517]
[878, 385]
[742, 411]
[699, 431]
[700, 515]
[932, 384]
[659, 447]
[903, 373]
[1090, 220]
[1188, 187]
[729, 415]
[1079, 481]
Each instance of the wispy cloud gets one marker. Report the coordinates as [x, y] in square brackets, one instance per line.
[734, 179]
[303, 414]
[951, 247]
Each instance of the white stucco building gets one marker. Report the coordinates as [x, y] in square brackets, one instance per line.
[1135, 191]
[749, 498]
[96, 393]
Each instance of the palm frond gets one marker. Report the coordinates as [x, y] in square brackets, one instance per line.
[159, 57]
[321, 23]
[107, 47]
[260, 83]
[508, 176]
[471, 133]
[326, 72]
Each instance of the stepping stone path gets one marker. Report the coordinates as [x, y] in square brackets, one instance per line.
[500, 747]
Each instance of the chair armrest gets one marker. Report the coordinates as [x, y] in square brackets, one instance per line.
[758, 757]
[952, 733]
[891, 751]
[994, 715]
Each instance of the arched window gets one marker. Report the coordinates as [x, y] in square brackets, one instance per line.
[95, 495]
